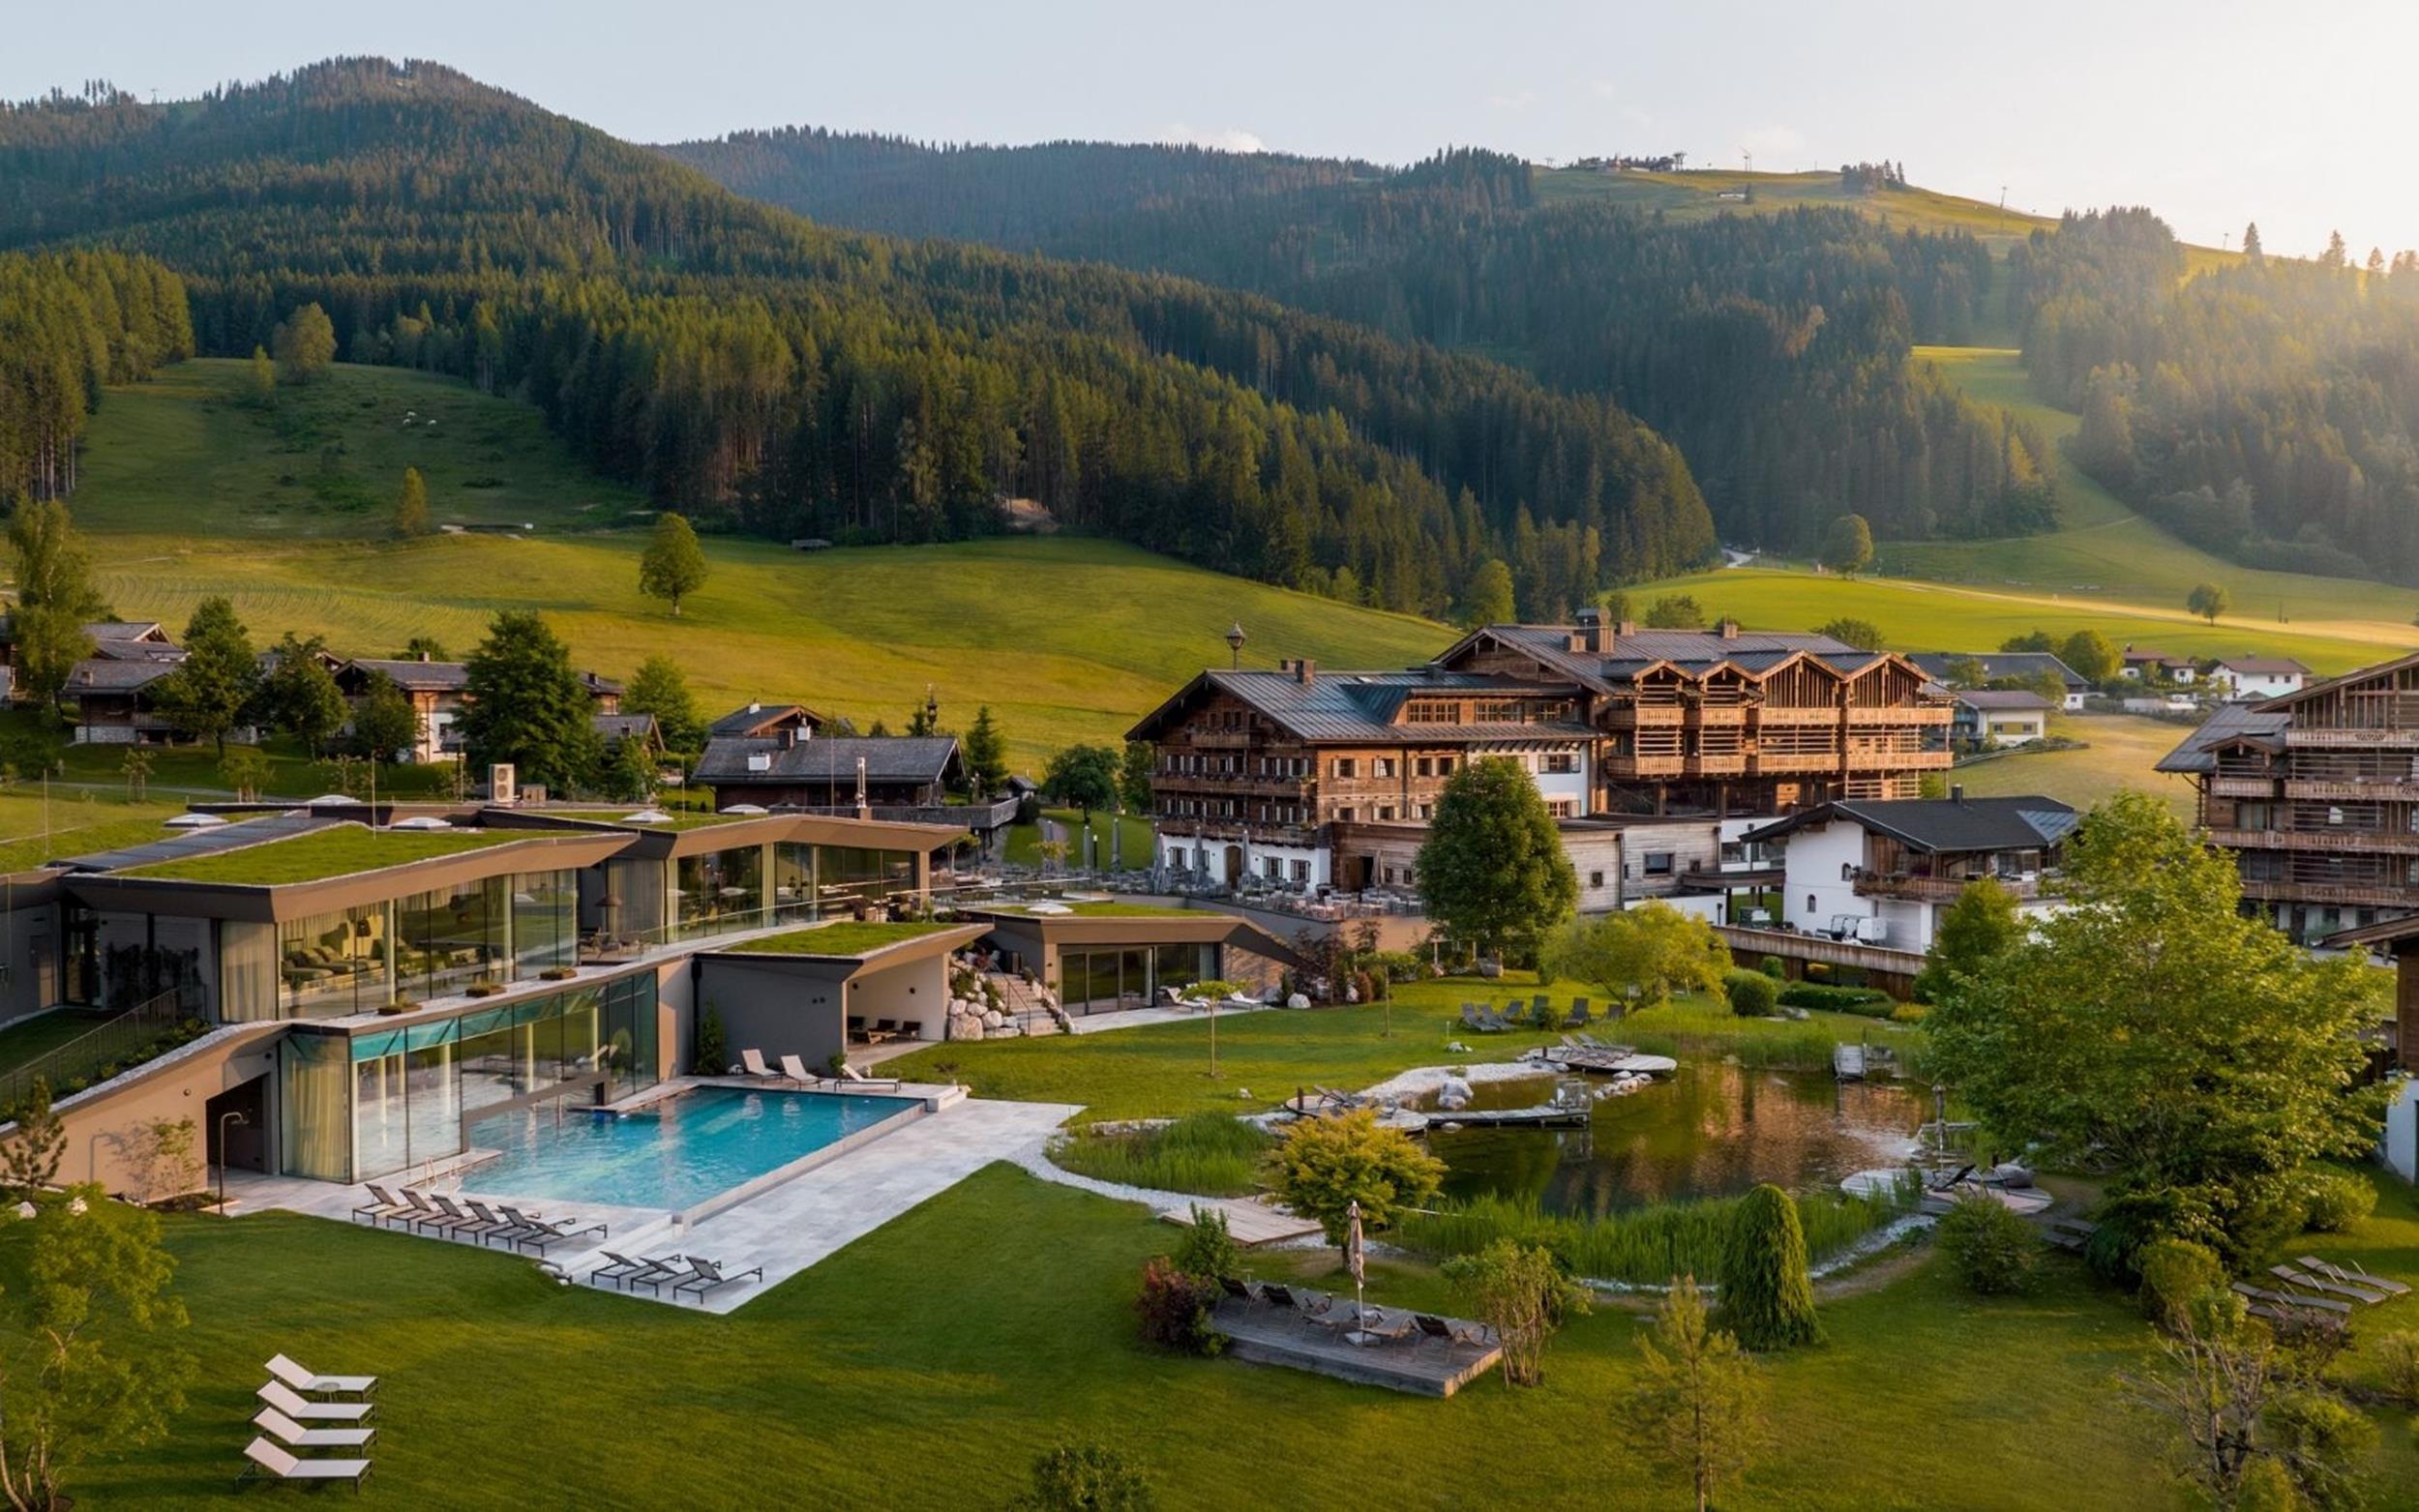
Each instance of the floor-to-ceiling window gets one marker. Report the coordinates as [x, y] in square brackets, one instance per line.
[794, 881]
[314, 1107]
[331, 963]
[719, 891]
[454, 936]
[544, 929]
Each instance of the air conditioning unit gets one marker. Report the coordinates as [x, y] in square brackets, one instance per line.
[501, 783]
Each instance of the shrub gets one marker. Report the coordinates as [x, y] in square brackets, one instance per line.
[1208, 1251]
[1321, 1166]
[1643, 1246]
[2397, 1361]
[712, 1055]
[2324, 1444]
[2175, 1274]
[1752, 995]
[1209, 1153]
[2267, 1486]
[1775, 968]
[1767, 1297]
[1991, 1249]
[1175, 1309]
[2337, 1200]
[1522, 1293]
[1091, 1477]
[1871, 1002]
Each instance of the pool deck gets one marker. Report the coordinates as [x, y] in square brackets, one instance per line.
[785, 1229]
[1266, 1335]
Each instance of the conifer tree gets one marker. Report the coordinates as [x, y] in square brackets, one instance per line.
[411, 505]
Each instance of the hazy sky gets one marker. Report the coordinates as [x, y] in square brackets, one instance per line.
[2212, 113]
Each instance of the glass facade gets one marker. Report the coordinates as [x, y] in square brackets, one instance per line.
[360, 1106]
[1101, 981]
[719, 891]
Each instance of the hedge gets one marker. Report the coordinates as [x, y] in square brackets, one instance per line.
[1871, 1002]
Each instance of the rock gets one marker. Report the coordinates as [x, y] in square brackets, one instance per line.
[1352, 995]
[1454, 1095]
[993, 1018]
[1298, 1000]
[973, 1030]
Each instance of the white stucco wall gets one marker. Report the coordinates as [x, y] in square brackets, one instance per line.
[1819, 865]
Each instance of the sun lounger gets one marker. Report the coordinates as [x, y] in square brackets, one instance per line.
[1579, 1019]
[1235, 1289]
[2311, 1282]
[855, 1077]
[537, 1233]
[793, 1068]
[622, 1268]
[706, 1278]
[2291, 1299]
[469, 1226]
[497, 1228]
[270, 1420]
[1433, 1329]
[300, 1380]
[428, 1216]
[752, 1061]
[656, 1281]
[1278, 1294]
[286, 1399]
[2350, 1274]
[381, 1206]
[267, 1459]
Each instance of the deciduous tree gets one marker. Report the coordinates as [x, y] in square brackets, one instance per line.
[661, 688]
[1861, 633]
[305, 343]
[1321, 1167]
[1523, 1295]
[2209, 600]
[1492, 869]
[1641, 954]
[1083, 777]
[300, 694]
[1488, 598]
[411, 505]
[1134, 776]
[386, 728]
[1974, 931]
[1848, 545]
[2090, 655]
[673, 565]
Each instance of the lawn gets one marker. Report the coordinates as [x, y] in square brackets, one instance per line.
[341, 850]
[31, 1039]
[1096, 631]
[1134, 838]
[2119, 753]
[1162, 1070]
[68, 822]
[925, 1364]
[848, 938]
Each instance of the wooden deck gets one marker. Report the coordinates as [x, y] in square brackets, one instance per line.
[1266, 1335]
[1251, 1223]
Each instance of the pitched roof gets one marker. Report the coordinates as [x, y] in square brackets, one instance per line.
[1694, 651]
[1360, 706]
[2265, 665]
[106, 674]
[2024, 823]
[2232, 721]
[598, 685]
[2002, 699]
[2001, 664]
[888, 758]
[415, 675]
[614, 727]
[2145, 654]
[759, 718]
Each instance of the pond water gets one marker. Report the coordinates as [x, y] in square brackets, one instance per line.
[1709, 1130]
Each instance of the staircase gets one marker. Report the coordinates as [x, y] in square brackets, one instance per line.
[1021, 1002]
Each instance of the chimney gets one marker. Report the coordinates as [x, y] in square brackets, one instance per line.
[1728, 628]
[1956, 792]
[1590, 634]
[1305, 670]
[424, 656]
[1624, 631]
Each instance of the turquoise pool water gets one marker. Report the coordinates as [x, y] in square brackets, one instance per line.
[673, 1154]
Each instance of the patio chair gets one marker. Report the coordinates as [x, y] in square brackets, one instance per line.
[1579, 1019]
[431, 1216]
[506, 1228]
[752, 1060]
[538, 1233]
[1433, 1329]
[623, 1268]
[286, 1399]
[855, 1077]
[1470, 1018]
[297, 1436]
[1276, 1293]
[1540, 1006]
[793, 1068]
[381, 1206]
[267, 1459]
[2351, 1273]
[656, 1280]
[463, 1224]
[1235, 1289]
[300, 1380]
[706, 1278]
[856, 1029]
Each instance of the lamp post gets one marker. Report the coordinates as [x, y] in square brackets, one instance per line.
[224, 1120]
[1234, 638]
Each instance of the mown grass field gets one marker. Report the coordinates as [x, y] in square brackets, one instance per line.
[1696, 193]
[1067, 639]
[2121, 750]
[924, 1366]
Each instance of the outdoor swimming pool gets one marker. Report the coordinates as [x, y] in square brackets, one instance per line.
[671, 1154]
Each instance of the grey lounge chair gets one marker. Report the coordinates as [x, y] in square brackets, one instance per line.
[706, 1278]
[300, 1380]
[474, 1225]
[504, 1229]
[381, 1206]
[1470, 1018]
[267, 1459]
[286, 1399]
[665, 1275]
[1579, 1019]
[431, 1216]
[538, 1233]
[623, 1269]
[269, 1419]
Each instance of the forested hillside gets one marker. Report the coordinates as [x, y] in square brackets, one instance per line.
[1774, 348]
[2267, 410]
[788, 379]
[70, 324]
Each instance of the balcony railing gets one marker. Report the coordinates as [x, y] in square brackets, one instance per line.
[2347, 840]
[1948, 889]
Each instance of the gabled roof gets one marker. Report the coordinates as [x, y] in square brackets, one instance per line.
[1692, 653]
[129, 640]
[2231, 723]
[1944, 824]
[106, 674]
[2164, 658]
[764, 718]
[414, 674]
[599, 686]
[2000, 664]
[833, 759]
[2316, 690]
[618, 727]
[1360, 706]
[2002, 699]
[2263, 665]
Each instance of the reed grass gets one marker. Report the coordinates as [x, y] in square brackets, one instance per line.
[1208, 1154]
[1644, 1246]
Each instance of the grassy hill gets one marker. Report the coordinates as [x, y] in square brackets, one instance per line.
[1698, 192]
[1067, 639]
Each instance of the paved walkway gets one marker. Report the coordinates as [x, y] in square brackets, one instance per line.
[1135, 1018]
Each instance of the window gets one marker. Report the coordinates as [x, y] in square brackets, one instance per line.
[1423, 766]
[1347, 766]
[1659, 863]
[1346, 815]
[1560, 807]
[1445, 766]
[1561, 762]
[1381, 766]
[1271, 868]
[1301, 870]
[1385, 812]
[1428, 711]
[1595, 878]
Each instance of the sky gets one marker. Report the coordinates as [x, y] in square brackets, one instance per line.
[2214, 114]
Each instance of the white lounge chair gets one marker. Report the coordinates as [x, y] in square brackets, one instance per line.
[268, 1457]
[296, 1436]
[795, 1069]
[855, 1077]
[277, 1394]
[754, 1061]
[300, 1380]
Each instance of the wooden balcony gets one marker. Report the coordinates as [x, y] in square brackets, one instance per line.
[1721, 716]
[2352, 739]
[1732, 763]
[1220, 739]
[2340, 841]
[1947, 889]
[1916, 714]
[1795, 714]
[2366, 895]
[1658, 716]
[2360, 790]
[2239, 787]
[1898, 760]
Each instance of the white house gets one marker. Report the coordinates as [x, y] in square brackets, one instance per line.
[1999, 717]
[1944, 668]
[1881, 872]
[2246, 678]
[2144, 664]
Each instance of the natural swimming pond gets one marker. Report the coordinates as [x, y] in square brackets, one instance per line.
[674, 1153]
[1709, 1130]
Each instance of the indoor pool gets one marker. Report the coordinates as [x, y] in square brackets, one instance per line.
[671, 1154]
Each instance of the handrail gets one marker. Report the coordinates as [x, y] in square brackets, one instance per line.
[60, 1063]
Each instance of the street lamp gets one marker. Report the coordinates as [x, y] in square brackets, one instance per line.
[224, 1119]
[1234, 638]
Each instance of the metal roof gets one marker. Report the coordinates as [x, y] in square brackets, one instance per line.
[2000, 664]
[888, 758]
[2232, 721]
[202, 842]
[1937, 824]
[1362, 707]
[2001, 699]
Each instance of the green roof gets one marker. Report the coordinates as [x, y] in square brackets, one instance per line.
[1099, 910]
[845, 939]
[341, 850]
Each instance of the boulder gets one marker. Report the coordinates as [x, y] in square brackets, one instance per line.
[1298, 1000]
[993, 1018]
[973, 1030]
[1454, 1095]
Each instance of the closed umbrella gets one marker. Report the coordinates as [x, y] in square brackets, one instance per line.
[1357, 1261]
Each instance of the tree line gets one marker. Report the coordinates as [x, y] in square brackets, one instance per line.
[71, 322]
[1773, 349]
[2267, 410]
[759, 372]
